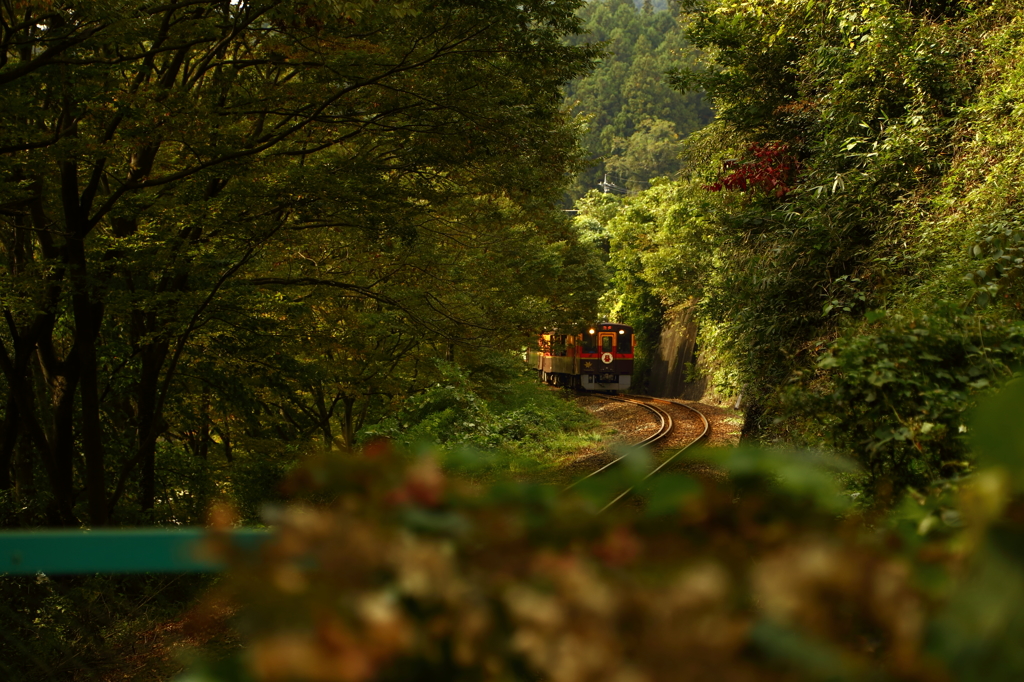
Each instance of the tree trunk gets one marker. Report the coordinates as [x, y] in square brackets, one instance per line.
[349, 432]
[33, 441]
[203, 451]
[8, 439]
[92, 445]
[226, 439]
[323, 416]
[24, 477]
[56, 448]
[87, 323]
[87, 316]
[150, 423]
[62, 443]
[203, 441]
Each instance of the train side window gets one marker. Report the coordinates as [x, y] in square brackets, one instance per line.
[625, 343]
[606, 343]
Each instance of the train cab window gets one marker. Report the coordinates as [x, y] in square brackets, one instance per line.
[625, 343]
[607, 343]
[559, 346]
[589, 343]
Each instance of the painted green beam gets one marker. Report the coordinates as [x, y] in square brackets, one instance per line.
[154, 550]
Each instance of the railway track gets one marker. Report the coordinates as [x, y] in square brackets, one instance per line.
[665, 426]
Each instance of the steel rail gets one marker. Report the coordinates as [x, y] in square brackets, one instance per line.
[670, 459]
[665, 426]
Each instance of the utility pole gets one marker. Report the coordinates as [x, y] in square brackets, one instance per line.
[610, 186]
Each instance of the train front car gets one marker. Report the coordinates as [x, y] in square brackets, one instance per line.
[605, 357]
[597, 358]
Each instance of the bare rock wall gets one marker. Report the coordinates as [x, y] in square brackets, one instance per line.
[673, 369]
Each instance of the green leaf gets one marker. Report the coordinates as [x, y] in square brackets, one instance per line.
[873, 316]
[997, 431]
[666, 492]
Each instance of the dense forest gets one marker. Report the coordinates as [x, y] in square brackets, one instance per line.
[634, 121]
[846, 228]
[229, 228]
[273, 263]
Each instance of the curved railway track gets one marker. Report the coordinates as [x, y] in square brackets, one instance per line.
[665, 427]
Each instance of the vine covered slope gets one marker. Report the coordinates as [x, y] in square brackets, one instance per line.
[849, 226]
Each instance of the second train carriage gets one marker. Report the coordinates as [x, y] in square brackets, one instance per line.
[598, 357]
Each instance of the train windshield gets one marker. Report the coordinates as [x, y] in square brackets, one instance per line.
[589, 343]
[625, 343]
[606, 343]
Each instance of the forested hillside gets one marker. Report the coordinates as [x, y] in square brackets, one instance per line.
[634, 121]
[848, 227]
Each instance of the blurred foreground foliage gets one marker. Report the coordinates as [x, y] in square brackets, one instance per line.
[386, 568]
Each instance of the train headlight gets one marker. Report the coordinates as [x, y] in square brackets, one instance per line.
[591, 331]
[622, 331]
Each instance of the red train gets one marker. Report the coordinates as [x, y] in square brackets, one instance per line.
[596, 358]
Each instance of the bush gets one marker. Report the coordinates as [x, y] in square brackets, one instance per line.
[895, 394]
[95, 627]
[499, 408]
[769, 575]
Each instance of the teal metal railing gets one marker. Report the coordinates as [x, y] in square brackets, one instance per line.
[154, 550]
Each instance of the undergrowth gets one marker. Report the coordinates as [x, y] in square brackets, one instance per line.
[521, 425]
